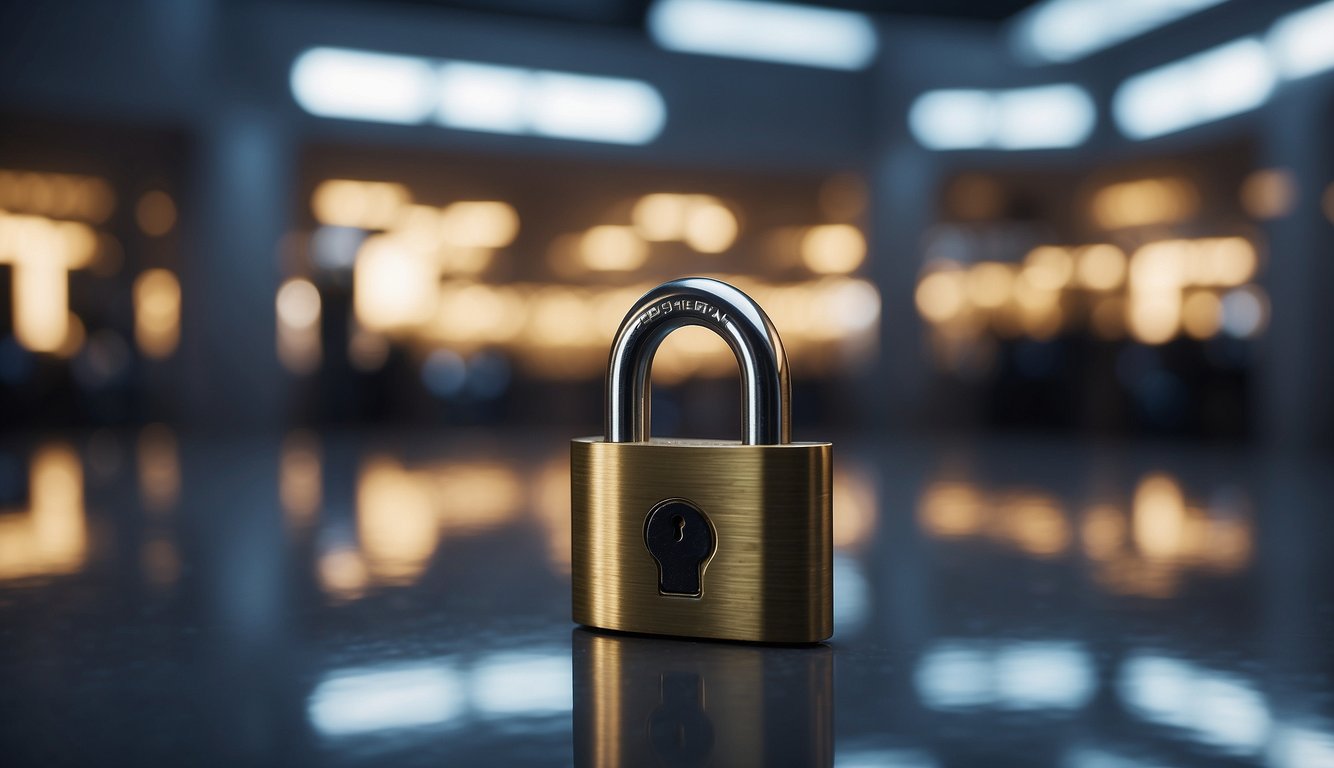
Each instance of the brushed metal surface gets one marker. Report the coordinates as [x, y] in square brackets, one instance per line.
[770, 578]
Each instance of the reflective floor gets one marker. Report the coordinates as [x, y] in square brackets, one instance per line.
[355, 599]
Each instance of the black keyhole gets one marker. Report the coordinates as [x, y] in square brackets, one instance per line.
[679, 537]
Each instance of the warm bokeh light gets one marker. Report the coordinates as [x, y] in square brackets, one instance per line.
[1049, 268]
[1152, 296]
[1145, 552]
[1146, 201]
[342, 573]
[49, 536]
[612, 248]
[702, 222]
[392, 289]
[1327, 202]
[26, 237]
[1039, 309]
[479, 224]
[297, 307]
[1159, 516]
[1103, 532]
[1224, 261]
[155, 213]
[80, 243]
[1269, 193]
[950, 509]
[41, 252]
[940, 295]
[551, 507]
[474, 496]
[74, 338]
[157, 313]
[471, 314]
[300, 478]
[298, 303]
[396, 522]
[1034, 523]
[1160, 266]
[660, 217]
[59, 195]
[691, 351]
[159, 464]
[1153, 318]
[41, 302]
[855, 507]
[415, 283]
[990, 284]
[1202, 315]
[562, 332]
[1157, 273]
[403, 513]
[709, 226]
[363, 204]
[1101, 267]
[833, 249]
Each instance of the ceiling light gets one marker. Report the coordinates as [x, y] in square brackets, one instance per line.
[745, 29]
[1219, 82]
[360, 85]
[1066, 30]
[1302, 43]
[333, 82]
[1043, 117]
[482, 97]
[606, 109]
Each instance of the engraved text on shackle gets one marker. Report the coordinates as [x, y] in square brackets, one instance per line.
[681, 305]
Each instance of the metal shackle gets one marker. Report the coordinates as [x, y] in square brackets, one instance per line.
[726, 311]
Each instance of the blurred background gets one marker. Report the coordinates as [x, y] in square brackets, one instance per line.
[1071, 217]
[300, 303]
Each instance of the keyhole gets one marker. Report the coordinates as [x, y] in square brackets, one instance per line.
[680, 539]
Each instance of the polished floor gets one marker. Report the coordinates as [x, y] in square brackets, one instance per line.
[349, 598]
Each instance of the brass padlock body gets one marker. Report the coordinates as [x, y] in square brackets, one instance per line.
[770, 577]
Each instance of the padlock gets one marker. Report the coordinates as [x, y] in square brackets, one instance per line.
[702, 538]
[645, 701]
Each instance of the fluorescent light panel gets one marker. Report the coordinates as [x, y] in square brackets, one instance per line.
[745, 29]
[1067, 30]
[482, 97]
[359, 85]
[1043, 117]
[1208, 86]
[594, 108]
[1302, 43]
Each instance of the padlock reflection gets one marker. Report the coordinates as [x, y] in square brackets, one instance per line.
[645, 702]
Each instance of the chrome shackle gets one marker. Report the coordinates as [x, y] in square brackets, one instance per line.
[722, 308]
